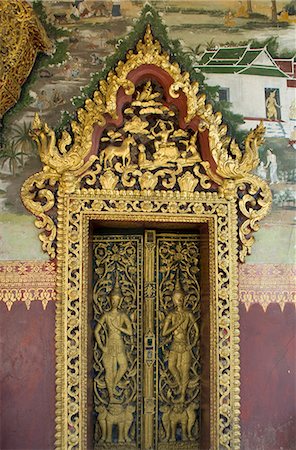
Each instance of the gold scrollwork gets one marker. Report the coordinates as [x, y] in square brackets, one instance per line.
[148, 169]
[66, 164]
[21, 36]
[126, 160]
[91, 204]
[234, 166]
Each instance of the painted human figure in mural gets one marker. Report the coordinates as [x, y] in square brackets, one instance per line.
[242, 10]
[76, 66]
[271, 106]
[261, 170]
[292, 110]
[178, 324]
[272, 165]
[113, 323]
[42, 101]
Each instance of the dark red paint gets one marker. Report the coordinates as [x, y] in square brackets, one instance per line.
[27, 377]
[268, 394]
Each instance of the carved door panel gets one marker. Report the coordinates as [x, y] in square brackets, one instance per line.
[146, 300]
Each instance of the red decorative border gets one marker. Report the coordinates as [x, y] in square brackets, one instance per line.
[267, 283]
[27, 281]
[262, 284]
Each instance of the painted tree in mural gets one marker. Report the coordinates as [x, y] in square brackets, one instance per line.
[12, 156]
[23, 140]
[249, 7]
[273, 11]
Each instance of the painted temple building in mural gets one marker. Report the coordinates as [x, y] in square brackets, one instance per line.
[243, 73]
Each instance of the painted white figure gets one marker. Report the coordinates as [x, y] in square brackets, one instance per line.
[261, 171]
[292, 110]
[272, 165]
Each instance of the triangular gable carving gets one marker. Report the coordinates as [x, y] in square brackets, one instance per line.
[147, 128]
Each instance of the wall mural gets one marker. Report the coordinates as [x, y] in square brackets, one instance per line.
[218, 39]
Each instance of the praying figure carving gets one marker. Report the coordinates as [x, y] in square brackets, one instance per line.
[114, 355]
[178, 324]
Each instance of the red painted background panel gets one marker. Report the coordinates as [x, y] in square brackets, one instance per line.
[27, 376]
[268, 378]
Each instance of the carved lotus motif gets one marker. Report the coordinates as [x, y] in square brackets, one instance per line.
[148, 181]
[109, 180]
[188, 182]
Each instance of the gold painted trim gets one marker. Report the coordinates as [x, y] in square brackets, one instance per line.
[224, 194]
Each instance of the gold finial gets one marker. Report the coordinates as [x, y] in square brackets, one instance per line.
[178, 286]
[148, 37]
[37, 124]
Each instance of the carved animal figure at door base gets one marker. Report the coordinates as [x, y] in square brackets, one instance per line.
[115, 415]
[180, 415]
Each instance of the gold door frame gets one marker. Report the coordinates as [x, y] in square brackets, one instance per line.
[75, 214]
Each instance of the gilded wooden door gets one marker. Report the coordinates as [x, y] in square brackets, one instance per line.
[146, 303]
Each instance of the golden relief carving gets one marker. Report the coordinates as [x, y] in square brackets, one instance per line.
[21, 37]
[149, 151]
[116, 314]
[148, 141]
[179, 360]
[235, 167]
[118, 385]
[73, 372]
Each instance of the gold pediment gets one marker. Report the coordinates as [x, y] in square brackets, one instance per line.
[135, 134]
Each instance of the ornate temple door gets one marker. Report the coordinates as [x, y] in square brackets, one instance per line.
[146, 303]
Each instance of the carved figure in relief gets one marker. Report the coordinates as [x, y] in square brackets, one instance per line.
[147, 94]
[102, 416]
[142, 159]
[178, 323]
[163, 134]
[118, 415]
[165, 151]
[123, 151]
[191, 151]
[175, 415]
[114, 357]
